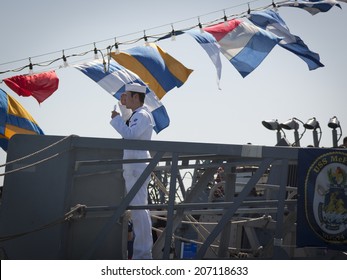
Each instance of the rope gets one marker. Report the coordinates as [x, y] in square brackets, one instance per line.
[242, 252]
[200, 234]
[245, 221]
[79, 209]
[194, 241]
[29, 165]
[37, 152]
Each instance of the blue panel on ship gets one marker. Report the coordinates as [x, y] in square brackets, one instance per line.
[322, 198]
[188, 250]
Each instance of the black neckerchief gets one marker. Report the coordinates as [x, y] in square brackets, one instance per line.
[127, 122]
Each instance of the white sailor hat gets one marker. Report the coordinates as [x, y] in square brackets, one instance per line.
[135, 87]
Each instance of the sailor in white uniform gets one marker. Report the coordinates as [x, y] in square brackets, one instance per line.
[139, 127]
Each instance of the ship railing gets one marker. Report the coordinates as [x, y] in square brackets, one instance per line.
[171, 157]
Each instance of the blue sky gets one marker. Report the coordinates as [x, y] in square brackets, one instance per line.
[282, 87]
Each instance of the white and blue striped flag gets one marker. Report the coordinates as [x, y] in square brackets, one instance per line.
[272, 22]
[311, 6]
[114, 81]
[210, 45]
[243, 44]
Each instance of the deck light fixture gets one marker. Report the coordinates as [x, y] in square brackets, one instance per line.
[333, 124]
[313, 124]
[274, 125]
[293, 124]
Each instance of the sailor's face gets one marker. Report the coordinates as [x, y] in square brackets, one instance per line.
[123, 99]
[129, 100]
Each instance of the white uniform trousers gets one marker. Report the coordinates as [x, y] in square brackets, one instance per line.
[142, 224]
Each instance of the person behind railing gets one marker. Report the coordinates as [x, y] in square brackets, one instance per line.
[219, 175]
[344, 144]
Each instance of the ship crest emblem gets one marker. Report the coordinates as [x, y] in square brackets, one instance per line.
[326, 197]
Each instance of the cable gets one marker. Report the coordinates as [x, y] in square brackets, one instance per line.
[29, 165]
[79, 209]
[50, 62]
[37, 152]
[36, 162]
[246, 220]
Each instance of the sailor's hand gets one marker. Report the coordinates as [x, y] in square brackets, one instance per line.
[114, 114]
